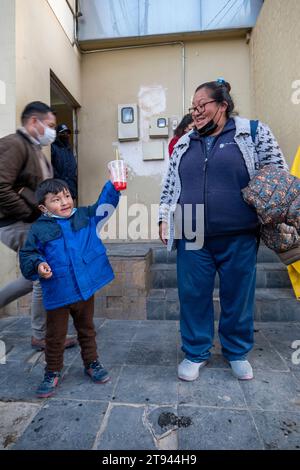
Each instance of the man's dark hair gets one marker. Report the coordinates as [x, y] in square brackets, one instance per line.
[36, 108]
[51, 185]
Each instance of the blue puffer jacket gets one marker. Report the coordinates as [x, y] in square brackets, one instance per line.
[73, 250]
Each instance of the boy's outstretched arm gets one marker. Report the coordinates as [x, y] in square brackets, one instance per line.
[30, 257]
[109, 195]
[106, 203]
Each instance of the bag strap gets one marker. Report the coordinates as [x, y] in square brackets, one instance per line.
[253, 129]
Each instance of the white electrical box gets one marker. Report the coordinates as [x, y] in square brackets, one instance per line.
[153, 150]
[174, 122]
[159, 126]
[128, 122]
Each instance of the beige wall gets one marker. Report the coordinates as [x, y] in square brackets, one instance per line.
[7, 109]
[41, 45]
[65, 16]
[275, 66]
[227, 58]
[7, 68]
[151, 77]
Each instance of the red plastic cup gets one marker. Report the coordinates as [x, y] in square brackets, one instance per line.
[117, 169]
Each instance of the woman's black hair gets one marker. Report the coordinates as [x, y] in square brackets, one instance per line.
[184, 123]
[220, 92]
[51, 185]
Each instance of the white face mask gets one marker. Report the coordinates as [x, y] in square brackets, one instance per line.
[48, 137]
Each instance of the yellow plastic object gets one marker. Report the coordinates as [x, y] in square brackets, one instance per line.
[294, 268]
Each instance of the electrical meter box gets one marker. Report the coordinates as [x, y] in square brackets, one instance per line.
[153, 150]
[128, 122]
[159, 126]
[174, 122]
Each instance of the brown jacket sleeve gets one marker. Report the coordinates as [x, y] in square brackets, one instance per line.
[12, 159]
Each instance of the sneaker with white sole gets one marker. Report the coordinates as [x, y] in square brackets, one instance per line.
[242, 370]
[188, 370]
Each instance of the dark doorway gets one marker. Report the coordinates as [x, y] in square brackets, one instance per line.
[66, 109]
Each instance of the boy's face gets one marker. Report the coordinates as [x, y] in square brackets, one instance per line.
[60, 204]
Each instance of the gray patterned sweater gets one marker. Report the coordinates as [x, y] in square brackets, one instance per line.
[265, 151]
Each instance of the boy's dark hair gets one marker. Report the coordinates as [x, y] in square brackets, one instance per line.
[51, 185]
[35, 108]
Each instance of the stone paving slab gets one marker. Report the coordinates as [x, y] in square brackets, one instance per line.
[20, 328]
[154, 353]
[222, 429]
[278, 430]
[148, 332]
[64, 424]
[162, 420]
[15, 417]
[118, 330]
[264, 356]
[113, 352]
[18, 381]
[285, 351]
[19, 349]
[216, 361]
[147, 384]
[77, 385]
[145, 406]
[125, 430]
[296, 375]
[272, 391]
[70, 355]
[7, 321]
[279, 331]
[98, 322]
[214, 388]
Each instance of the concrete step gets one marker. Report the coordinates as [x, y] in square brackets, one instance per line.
[270, 305]
[269, 275]
[161, 255]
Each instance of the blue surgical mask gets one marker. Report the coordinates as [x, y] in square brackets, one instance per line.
[49, 214]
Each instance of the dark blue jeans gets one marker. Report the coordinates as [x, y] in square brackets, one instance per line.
[234, 258]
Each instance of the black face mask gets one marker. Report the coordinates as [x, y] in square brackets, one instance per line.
[64, 140]
[209, 128]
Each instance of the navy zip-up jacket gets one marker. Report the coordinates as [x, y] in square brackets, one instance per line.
[64, 165]
[216, 179]
[73, 250]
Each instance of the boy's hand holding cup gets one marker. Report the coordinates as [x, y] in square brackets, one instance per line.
[118, 173]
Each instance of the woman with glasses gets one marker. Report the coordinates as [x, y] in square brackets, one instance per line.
[202, 194]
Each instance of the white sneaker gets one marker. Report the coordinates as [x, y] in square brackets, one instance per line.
[188, 370]
[242, 370]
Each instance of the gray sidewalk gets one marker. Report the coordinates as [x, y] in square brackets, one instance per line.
[145, 406]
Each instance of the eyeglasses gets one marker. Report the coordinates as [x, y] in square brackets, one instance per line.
[200, 108]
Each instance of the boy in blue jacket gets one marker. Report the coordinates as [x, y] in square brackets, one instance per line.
[65, 253]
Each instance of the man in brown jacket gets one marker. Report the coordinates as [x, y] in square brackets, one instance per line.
[22, 167]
